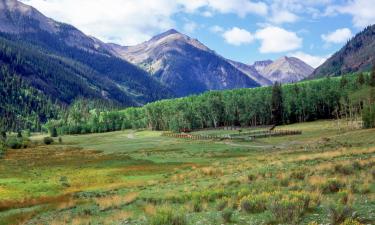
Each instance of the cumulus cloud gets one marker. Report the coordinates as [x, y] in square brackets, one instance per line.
[237, 36]
[338, 36]
[362, 11]
[275, 40]
[312, 60]
[129, 22]
[190, 27]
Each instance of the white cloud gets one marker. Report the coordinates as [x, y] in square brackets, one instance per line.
[237, 36]
[338, 36]
[275, 40]
[129, 22]
[362, 11]
[216, 29]
[282, 16]
[314, 61]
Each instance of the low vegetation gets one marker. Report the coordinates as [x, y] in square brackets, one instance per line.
[323, 176]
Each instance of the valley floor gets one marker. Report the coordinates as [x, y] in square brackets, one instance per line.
[140, 177]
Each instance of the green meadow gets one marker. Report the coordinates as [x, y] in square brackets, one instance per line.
[324, 176]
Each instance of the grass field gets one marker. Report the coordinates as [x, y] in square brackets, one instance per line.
[324, 176]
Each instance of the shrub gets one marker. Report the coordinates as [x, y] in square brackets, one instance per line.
[53, 132]
[351, 222]
[368, 116]
[197, 205]
[227, 215]
[254, 203]
[48, 140]
[168, 216]
[3, 148]
[14, 143]
[346, 170]
[287, 210]
[298, 175]
[60, 140]
[340, 213]
[221, 204]
[332, 186]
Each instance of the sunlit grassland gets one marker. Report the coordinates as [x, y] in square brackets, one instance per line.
[128, 177]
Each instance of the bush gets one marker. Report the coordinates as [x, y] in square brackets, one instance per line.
[3, 148]
[298, 175]
[340, 213]
[227, 215]
[60, 140]
[48, 140]
[289, 208]
[168, 216]
[346, 170]
[351, 222]
[221, 204]
[368, 116]
[332, 186]
[254, 203]
[53, 132]
[197, 205]
[14, 143]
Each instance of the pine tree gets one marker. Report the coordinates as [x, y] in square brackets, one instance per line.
[277, 104]
[53, 132]
[361, 79]
[372, 77]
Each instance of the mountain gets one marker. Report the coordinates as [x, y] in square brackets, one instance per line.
[260, 65]
[64, 63]
[286, 70]
[184, 64]
[251, 72]
[356, 56]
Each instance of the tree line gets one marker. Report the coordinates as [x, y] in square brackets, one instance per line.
[326, 98]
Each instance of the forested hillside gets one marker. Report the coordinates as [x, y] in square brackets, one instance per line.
[356, 56]
[22, 107]
[306, 101]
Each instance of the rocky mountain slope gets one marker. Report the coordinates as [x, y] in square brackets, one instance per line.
[286, 70]
[357, 55]
[185, 65]
[64, 63]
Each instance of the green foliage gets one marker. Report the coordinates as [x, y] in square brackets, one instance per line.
[48, 140]
[53, 132]
[277, 104]
[227, 215]
[340, 213]
[22, 107]
[372, 77]
[168, 216]
[14, 143]
[368, 116]
[254, 203]
[299, 102]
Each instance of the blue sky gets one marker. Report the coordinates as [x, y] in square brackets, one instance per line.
[242, 30]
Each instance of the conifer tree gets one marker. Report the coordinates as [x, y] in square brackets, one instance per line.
[277, 104]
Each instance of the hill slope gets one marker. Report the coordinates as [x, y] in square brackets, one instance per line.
[184, 64]
[64, 63]
[357, 55]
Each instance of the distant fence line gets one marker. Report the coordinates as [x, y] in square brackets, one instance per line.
[235, 128]
[243, 136]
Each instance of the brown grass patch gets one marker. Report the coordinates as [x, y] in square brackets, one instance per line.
[116, 201]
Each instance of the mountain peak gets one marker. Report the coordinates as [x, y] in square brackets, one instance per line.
[166, 34]
[287, 70]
